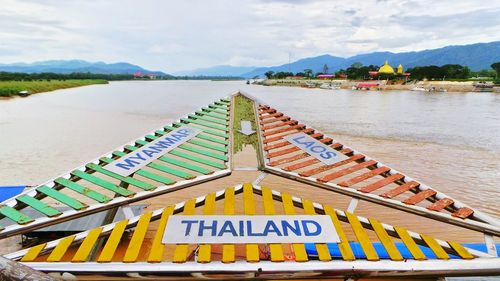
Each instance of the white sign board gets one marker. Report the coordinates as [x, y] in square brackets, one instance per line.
[315, 148]
[249, 229]
[139, 158]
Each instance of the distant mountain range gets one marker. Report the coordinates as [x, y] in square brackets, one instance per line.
[219, 70]
[476, 56]
[69, 66]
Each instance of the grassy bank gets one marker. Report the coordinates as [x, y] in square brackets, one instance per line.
[243, 110]
[12, 88]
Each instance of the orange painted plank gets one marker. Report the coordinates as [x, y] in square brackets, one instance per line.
[324, 168]
[347, 171]
[277, 138]
[365, 176]
[400, 189]
[276, 119]
[281, 124]
[310, 162]
[277, 114]
[420, 196]
[263, 106]
[288, 159]
[440, 204]
[381, 183]
[463, 213]
[279, 131]
[269, 110]
[292, 149]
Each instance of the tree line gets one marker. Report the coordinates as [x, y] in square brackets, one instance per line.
[358, 71]
[20, 76]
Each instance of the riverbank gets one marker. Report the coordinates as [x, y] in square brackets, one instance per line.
[448, 86]
[12, 88]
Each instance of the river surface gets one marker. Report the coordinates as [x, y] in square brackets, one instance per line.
[450, 141]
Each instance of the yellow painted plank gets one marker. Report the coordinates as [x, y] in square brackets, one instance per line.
[384, 238]
[321, 248]
[435, 247]
[461, 251]
[299, 250]
[88, 243]
[33, 253]
[136, 242]
[344, 247]
[205, 250]
[275, 249]
[60, 249]
[362, 237]
[228, 250]
[113, 240]
[156, 253]
[249, 206]
[181, 250]
[410, 243]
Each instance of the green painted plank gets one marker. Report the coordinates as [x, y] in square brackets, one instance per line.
[61, 197]
[213, 115]
[129, 180]
[227, 100]
[178, 162]
[208, 131]
[198, 159]
[101, 198]
[222, 103]
[103, 183]
[205, 124]
[15, 215]
[222, 107]
[165, 169]
[38, 205]
[208, 119]
[215, 110]
[144, 173]
[204, 152]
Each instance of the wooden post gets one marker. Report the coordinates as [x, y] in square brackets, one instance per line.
[11, 270]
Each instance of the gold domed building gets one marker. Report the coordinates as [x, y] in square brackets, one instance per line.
[386, 69]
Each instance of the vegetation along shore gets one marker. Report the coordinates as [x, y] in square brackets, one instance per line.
[12, 88]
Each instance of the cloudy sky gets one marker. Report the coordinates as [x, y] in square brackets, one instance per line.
[180, 35]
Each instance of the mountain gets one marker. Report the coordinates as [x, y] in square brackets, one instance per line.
[69, 66]
[219, 70]
[476, 56]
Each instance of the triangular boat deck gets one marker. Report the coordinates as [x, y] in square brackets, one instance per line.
[368, 247]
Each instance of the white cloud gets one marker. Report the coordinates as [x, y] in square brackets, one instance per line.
[177, 35]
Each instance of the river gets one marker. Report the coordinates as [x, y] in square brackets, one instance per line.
[450, 141]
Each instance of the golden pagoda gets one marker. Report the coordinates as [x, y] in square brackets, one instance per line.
[387, 69]
[400, 69]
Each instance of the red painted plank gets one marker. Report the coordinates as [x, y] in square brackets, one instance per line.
[318, 170]
[269, 110]
[292, 149]
[277, 138]
[420, 196]
[288, 159]
[277, 114]
[381, 183]
[279, 131]
[440, 204]
[463, 213]
[272, 120]
[285, 143]
[263, 106]
[400, 189]
[281, 124]
[364, 176]
[347, 171]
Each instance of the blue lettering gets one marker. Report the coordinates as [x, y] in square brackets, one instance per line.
[167, 142]
[328, 155]
[318, 149]
[212, 227]
[183, 131]
[250, 233]
[188, 227]
[127, 165]
[286, 226]
[149, 153]
[227, 227]
[271, 227]
[138, 156]
[307, 231]
[242, 228]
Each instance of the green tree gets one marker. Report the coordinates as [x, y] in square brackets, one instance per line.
[308, 72]
[496, 67]
[269, 74]
[356, 65]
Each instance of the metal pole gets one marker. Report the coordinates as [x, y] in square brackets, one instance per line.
[13, 271]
